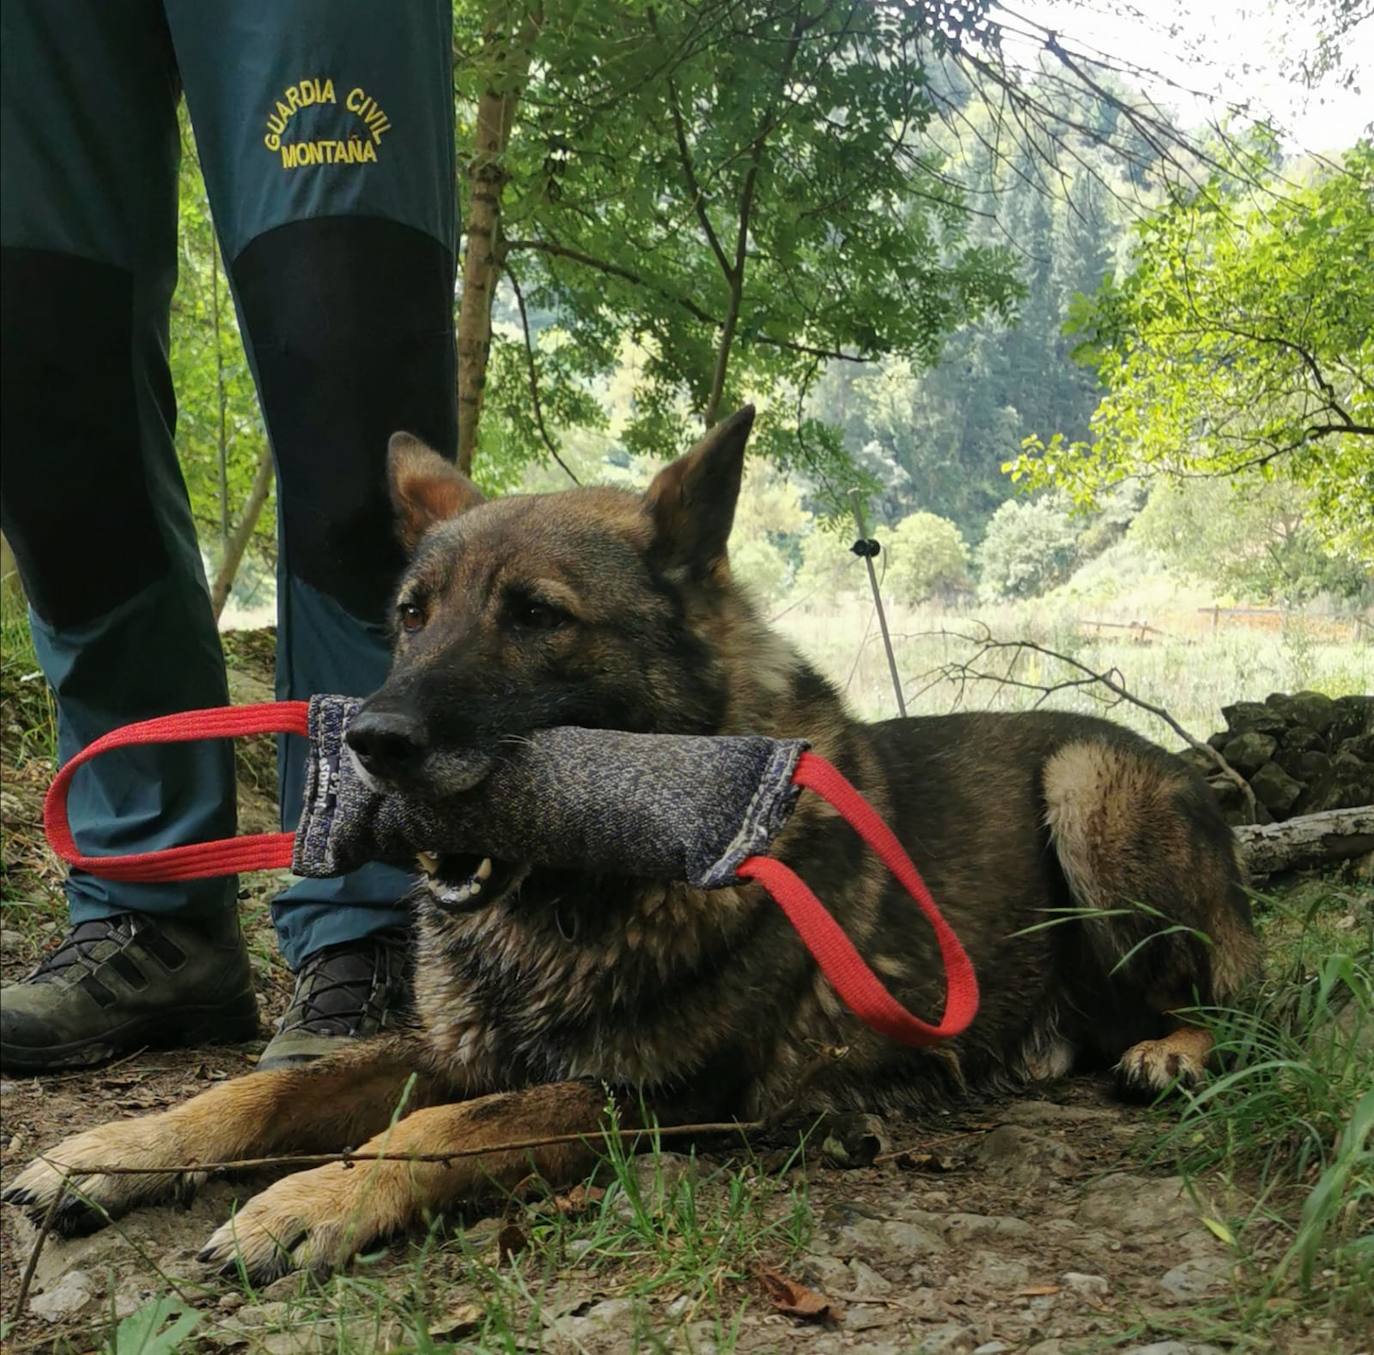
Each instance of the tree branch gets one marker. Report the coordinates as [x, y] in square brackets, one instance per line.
[615, 270]
[1112, 680]
[534, 377]
[689, 174]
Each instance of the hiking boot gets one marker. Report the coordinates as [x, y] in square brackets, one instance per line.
[343, 992]
[128, 982]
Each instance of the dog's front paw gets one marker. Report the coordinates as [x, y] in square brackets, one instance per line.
[313, 1220]
[91, 1199]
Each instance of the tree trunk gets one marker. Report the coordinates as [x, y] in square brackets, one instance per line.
[1309, 840]
[222, 397]
[509, 56]
[242, 534]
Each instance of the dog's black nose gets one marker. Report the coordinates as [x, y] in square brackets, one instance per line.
[387, 742]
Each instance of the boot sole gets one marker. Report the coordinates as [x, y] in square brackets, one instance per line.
[171, 1028]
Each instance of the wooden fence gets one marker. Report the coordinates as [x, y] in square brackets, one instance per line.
[1358, 627]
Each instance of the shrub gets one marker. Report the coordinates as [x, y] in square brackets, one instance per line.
[1028, 549]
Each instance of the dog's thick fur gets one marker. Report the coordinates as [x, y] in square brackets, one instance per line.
[601, 608]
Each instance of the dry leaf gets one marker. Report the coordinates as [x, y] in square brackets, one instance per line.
[796, 1300]
[579, 1199]
[1035, 1291]
[509, 1240]
[462, 1321]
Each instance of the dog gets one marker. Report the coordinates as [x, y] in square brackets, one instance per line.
[1088, 873]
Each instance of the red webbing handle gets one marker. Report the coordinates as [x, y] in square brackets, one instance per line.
[194, 861]
[859, 987]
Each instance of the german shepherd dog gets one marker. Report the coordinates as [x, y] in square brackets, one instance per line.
[541, 992]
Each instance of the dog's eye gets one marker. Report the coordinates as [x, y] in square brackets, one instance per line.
[527, 614]
[411, 615]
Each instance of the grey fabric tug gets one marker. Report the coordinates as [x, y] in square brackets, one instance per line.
[663, 807]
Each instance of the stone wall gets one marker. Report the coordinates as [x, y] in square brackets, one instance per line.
[1301, 754]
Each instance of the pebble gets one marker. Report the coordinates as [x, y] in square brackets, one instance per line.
[1022, 1158]
[950, 1339]
[867, 1316]
[599, 1318]
[1002, 1274]
[964, 1226]
[829, 1274]
[1192, 1279]
[1078, 1283]
[1132, 1205]
[885, 1240]
[10, 939]
[69, 1295]
[8, 1088]
[866, 1282]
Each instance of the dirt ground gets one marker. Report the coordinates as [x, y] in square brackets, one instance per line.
[1029, 1225]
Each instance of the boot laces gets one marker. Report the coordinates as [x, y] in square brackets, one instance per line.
[83, 946]
[345, 989]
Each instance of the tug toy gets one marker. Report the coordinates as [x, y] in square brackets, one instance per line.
[704, 810]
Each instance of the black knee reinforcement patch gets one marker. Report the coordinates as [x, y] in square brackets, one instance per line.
[351, 325]
[75, 500]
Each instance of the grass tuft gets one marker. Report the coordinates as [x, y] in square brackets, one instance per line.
[1287, 1128]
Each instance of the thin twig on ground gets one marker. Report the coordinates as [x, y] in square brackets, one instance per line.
[444, 1158]
[43, 1230]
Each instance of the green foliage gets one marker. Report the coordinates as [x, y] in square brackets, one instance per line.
[829, 570]
[1028, 549]
[1243, 338]
[927, 558]
[160, 1327]
[740, 193]
[935, 436]
[769, 524]
[1249, 536]
[1290, 1120]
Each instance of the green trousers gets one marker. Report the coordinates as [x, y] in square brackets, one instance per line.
[325, 134]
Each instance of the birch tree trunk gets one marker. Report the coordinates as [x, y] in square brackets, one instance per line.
[238, 540]
[507, 58]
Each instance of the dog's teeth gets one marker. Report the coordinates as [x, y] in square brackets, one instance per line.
[484, 870]
[429, 862]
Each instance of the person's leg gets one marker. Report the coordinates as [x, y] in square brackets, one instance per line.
[325, 135]
[95, 509]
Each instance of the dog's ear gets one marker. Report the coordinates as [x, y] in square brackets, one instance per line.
[425, 488]
[692, 501]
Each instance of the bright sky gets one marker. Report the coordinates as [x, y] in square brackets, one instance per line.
[1232, 49]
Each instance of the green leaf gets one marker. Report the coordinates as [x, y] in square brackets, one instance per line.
[160, 1327]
